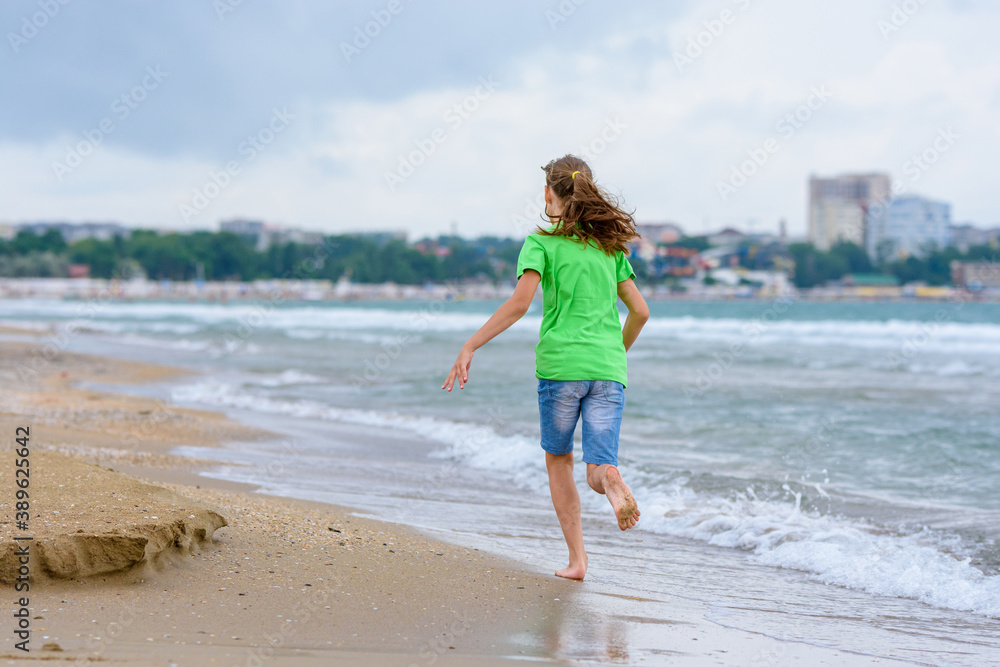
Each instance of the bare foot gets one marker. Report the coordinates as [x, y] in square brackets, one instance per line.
[574, 571]
[621, 499]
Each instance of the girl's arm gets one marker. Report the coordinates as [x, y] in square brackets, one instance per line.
[638, 311]
[509, 312]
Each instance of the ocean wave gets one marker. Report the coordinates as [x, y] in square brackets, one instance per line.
[955, 368]
[924, 565]
[313, 322]
[316, 321]
[908, 337]
[286, 378]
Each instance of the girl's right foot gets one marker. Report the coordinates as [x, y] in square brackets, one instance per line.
[626, 509]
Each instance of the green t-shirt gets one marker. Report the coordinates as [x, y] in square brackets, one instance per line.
[581, 334]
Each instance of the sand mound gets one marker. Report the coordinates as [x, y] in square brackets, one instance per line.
[87, 520]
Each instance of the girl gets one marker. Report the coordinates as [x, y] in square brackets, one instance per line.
[580, 357]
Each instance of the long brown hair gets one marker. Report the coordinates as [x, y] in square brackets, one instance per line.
[591, 213]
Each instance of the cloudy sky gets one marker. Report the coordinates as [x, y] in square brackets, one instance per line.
[181, 114]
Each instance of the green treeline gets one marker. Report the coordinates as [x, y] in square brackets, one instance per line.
[227, 256]
[377, 259]
[813, 267]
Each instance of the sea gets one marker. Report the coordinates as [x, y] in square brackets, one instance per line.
[825, 473]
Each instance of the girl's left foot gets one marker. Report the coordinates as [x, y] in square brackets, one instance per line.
[575, 571]
[626, 509]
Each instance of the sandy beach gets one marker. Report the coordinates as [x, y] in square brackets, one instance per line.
[137, 559]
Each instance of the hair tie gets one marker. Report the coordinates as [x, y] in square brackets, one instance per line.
[574, 175]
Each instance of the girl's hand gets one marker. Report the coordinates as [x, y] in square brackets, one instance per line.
[460, 370]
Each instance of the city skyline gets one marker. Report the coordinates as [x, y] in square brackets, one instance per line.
[693, 113]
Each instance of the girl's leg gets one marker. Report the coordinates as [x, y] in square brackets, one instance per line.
[566, 500]
[602, 417]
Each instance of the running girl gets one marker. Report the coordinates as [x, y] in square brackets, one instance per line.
[579, 259]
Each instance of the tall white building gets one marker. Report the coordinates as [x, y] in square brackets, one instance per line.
[838, 207]
[909, 225]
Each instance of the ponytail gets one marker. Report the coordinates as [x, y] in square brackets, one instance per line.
[591, 213]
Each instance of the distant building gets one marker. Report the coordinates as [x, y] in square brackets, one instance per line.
[976, 275]
[7, 232]
[720, 256]
[242, 227]
[281, 236]
[653, 237]
[869, 280]
[253, 230]
[263, 235]
[838, 207]
[79, 270]
[726, 237]
[659, 232]
[965, 236]
[909, 225]
[381, 236]
[73, 232]
[840, 220]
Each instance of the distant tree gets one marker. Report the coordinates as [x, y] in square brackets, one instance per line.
[699, 243]
[162, 256]
[100, 256]
[34, 265]
[854, 256]
[814, 267]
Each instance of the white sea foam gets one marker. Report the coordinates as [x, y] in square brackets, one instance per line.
[316, 321]
[956, 368]
[848, 553]
[286, 378]
[906, 336]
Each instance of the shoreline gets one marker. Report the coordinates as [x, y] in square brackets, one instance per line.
[90, 291]
[398, 596]
[273, 554]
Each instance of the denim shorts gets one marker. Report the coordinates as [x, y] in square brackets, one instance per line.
[560, 404]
